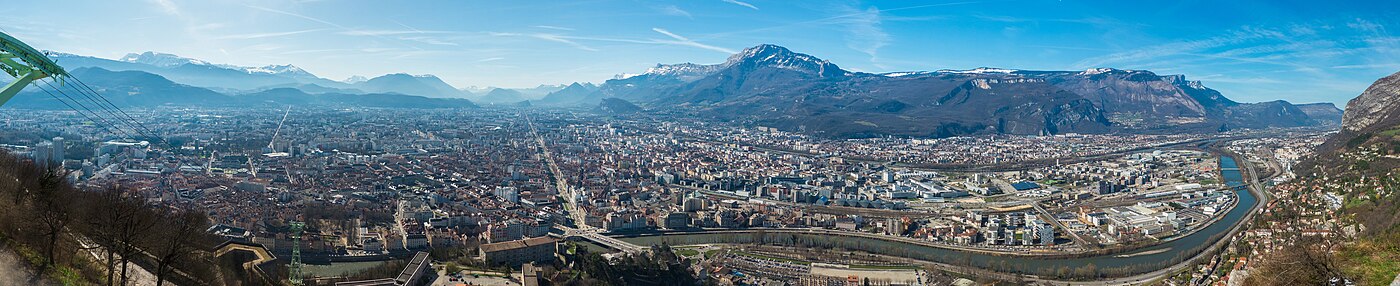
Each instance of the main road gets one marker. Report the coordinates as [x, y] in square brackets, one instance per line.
[561, 184]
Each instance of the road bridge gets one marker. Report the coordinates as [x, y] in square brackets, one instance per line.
[595, 236]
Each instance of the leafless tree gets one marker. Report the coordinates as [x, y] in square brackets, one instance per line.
[133, 230]
[178, 242]
[52, 205]
[119, 222]
[1309, 262]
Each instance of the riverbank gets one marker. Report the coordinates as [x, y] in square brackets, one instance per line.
[1152, 258]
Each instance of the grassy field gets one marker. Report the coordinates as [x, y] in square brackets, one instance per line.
[711, 253]
[687, 252]
[338, 268]
[1392, 132]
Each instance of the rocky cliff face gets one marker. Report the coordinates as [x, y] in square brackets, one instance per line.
[1377, 107]
[1369, 140]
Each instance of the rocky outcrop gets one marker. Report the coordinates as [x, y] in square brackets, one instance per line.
[1377, 107]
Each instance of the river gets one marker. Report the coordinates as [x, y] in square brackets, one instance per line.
[1151, 257]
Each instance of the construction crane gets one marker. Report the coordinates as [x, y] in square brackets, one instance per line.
[294, 269]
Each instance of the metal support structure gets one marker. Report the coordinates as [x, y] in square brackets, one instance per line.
[25, 64]
[20, 82]
[294, 269]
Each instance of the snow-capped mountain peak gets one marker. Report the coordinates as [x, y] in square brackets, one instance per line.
[684, 71]
[160, 59]
[904, 74]
[355, 79]
[1094, 71]
[770, 55]
[276, 69]
[981, 70]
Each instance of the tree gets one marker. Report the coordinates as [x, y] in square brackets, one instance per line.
[178, 242]
[1309, 262]
[119, 223]
[1088, 271]
[106, 214]
[52, 202]
[133, 231]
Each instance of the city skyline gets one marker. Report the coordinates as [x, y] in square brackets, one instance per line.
[1326, 53]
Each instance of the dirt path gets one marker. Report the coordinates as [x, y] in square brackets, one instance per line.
[14, 271]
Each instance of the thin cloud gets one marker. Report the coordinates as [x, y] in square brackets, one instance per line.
[309, 18]
[1177, 48]
[420, 38]
[675, 11]
[740, 3]
[863, 31]
[266, 35]
[547, 37]
[429, 40]
[563, 39]
[1369, 66]
[491, 59]
[347, 30]
[554, 27]
[167, 7]
[838, 18]
[388, 32]
[683, 41]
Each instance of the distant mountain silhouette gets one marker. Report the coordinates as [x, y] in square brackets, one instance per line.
[616, 106]
[230, 79]
[141, 89]
[422, 85]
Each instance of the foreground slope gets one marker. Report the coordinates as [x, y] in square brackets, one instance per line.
[1358, 166]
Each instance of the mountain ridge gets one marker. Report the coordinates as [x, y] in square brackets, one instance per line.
[1368, 141]
[130, 88]
[812, 95]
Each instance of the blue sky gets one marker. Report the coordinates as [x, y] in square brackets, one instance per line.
[1301, 51]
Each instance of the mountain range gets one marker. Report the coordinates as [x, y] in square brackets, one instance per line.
[130, 88]
[769, 85]
[237, 79]
[766, 85]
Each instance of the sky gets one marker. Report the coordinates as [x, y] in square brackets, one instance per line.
[1300, 51]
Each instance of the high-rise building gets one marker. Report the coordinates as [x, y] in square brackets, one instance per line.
[510, 194]
[57, 156]
[42, 152]
[1047, 234]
